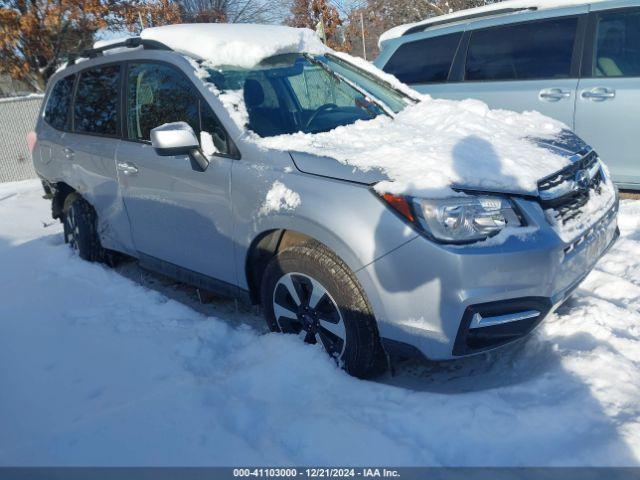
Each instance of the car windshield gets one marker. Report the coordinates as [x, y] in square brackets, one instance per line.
[310, 94]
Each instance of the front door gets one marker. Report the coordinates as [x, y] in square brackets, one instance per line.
[179, 216]
[608, 104]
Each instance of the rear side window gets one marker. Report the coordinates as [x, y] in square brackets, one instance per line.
[96, 102]
[527, 51]
[159, 94]
[618, 45]
[424, 61]
[57, 111]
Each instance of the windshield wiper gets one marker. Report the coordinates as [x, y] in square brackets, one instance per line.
[385, 109]
[377, 80]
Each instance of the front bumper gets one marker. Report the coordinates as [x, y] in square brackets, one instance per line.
[442, 302]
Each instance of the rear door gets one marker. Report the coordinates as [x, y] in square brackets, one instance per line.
[179, 216]
[608, 104]
[89, 149]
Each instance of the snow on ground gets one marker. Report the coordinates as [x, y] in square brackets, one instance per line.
[103, 367]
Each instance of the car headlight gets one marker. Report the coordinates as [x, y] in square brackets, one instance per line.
[463, 219]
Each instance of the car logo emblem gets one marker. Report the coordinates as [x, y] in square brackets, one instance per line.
[582, 180]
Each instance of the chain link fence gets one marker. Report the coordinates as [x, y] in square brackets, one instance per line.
[17, 118]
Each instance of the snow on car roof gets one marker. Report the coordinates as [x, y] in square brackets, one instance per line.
[400, 30]
[242, 45]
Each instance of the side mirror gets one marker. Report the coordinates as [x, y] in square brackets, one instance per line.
[178, 138]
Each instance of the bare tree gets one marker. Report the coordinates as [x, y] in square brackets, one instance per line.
[232, 11]
[36, 35]
[378, 16]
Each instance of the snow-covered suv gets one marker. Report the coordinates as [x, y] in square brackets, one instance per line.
[253, 161]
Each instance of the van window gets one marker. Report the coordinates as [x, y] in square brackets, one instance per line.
[96, 102]
[424, 61]
[618, 44]
[56, 113]
[159, 94]
[526, 51]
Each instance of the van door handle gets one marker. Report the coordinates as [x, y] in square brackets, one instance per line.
[599, 94]
[68, 153]
[127, 168]
[554, 94]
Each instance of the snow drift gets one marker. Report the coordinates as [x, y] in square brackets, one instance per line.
[436, 144]
[243, 45]
[96, 369]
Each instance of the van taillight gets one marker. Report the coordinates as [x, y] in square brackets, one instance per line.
[32, 138]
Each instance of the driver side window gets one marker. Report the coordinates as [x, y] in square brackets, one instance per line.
[157, 94]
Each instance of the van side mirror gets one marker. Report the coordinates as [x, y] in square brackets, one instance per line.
[178, 138]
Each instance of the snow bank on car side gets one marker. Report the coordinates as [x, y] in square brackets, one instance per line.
[280, 197]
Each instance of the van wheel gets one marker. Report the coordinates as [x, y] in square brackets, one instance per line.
[79, 220]
[307, 290]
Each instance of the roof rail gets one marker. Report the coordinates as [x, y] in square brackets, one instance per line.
[132, 42]
[488, 13]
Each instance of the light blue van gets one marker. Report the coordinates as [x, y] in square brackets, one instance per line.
[578, 63]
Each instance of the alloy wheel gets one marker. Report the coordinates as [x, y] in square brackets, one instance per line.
[302, 304]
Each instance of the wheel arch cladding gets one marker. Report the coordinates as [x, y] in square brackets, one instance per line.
[61, 192]
[262, 249]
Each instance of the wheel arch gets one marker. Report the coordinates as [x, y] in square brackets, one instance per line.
[268, 243]
[61, 191]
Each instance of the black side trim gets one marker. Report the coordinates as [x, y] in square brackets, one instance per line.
[196, 279]
[470, 341]
[128, 43]
[401, 350]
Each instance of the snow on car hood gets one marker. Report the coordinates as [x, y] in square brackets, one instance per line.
[243, 45]
[432, 147]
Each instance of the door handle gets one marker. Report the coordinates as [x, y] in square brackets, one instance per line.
[68, 153]
[127, 168]
[599, 94]
[554, 94]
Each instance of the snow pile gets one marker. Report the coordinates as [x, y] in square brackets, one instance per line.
[242, 45]
[425, 149]
[98, 370]
[206, 142]
[279, 197]
[436, 144]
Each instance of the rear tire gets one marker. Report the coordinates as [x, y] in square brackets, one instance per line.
[316, 295]
[80, 232]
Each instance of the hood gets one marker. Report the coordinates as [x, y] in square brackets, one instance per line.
[434, 147]
[332, 168]
[566, 145]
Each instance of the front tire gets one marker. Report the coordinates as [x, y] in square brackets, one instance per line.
[307, 290]
[80, 232]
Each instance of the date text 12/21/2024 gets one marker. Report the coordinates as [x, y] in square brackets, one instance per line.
[316, 472]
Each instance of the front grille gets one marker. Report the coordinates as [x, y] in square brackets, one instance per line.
[564, 193]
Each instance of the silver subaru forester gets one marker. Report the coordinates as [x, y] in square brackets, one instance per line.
[307, 237]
